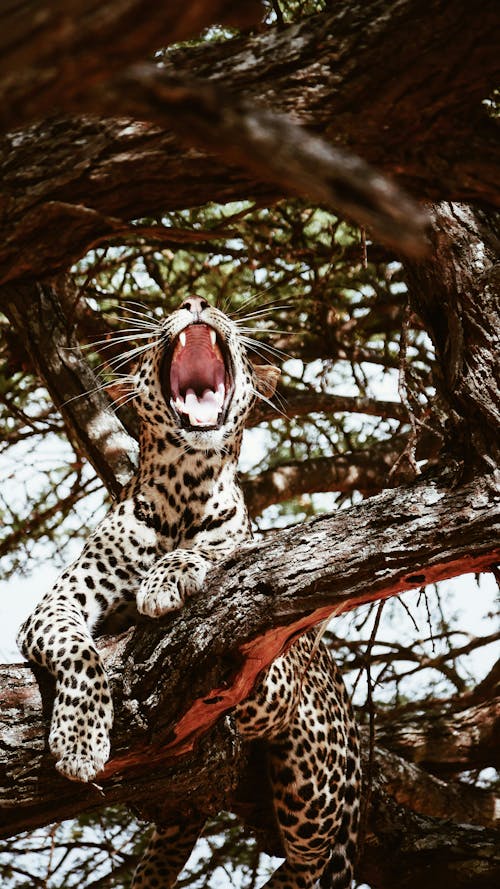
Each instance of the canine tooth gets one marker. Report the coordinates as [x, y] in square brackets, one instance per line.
[182, 338]
[213, 337]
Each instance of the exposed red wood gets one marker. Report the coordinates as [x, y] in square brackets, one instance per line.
[258, 653]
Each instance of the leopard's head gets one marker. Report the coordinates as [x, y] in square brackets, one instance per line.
[196, 381]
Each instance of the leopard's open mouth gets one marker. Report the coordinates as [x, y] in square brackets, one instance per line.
[196, 378]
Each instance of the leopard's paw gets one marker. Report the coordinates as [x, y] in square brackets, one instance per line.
[78, 767]
[175, 577]
[79, 736]
[154, 602]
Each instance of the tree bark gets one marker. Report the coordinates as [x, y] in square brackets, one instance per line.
[300, 402]
[407, 850]
[448, 742]
[174, 680]
[455, 292]
[367, 471]
[42, 317]
[426, 794]
[75, 182]
[50, 51]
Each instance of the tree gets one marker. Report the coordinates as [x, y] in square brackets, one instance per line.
[125, 168]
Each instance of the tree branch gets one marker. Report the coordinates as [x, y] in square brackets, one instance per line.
[75, 181]
[300, 402]
[174, 679]
[448, 742]
[416, 789]
[405, 850]
[360, 470]
[272, 147]
[455, 292]
[45, 330]
[51, 52]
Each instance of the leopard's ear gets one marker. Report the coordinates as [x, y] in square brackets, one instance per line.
[266, 377]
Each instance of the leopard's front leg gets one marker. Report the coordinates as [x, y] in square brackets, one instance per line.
[56, 637]
[174, 577]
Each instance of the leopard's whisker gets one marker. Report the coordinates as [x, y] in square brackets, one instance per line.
[122, 359]
[268, 401]
[261, 313]
[124, 337]
[100, 388]
[121, 400]
[263, 349]
[137, 317]
[253, 298]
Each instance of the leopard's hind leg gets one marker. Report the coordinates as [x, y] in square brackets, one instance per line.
[302, 707]
[168, 851]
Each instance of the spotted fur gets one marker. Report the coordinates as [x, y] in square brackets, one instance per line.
[183, 512]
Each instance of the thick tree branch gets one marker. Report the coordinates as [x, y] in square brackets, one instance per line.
[42, 323]
[365, 471]
[273, 148]
[406, 846]
[86, 177]
[360, 470]
[405, 850]
[426, 794]
[455, 292]
[300, 402]
[487, 688]
[53, 52]
[173, 681]
[448, 742]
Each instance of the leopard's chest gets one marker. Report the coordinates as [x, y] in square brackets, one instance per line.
[178, 503]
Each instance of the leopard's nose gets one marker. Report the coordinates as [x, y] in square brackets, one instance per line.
[195, 305]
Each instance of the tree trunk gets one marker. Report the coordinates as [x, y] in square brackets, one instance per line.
[455, 292]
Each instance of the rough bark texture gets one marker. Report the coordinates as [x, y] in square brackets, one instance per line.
[40, 315]
[298, 403]
[366, 471]
[455, 292]
[408, 851]
[62, 49]
[173, 681]
[92, 176]
[449, 742]
[426, 794]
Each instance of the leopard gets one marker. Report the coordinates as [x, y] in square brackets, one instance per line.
[182, 513]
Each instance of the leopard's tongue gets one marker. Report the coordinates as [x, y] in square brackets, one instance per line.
[202, 411]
